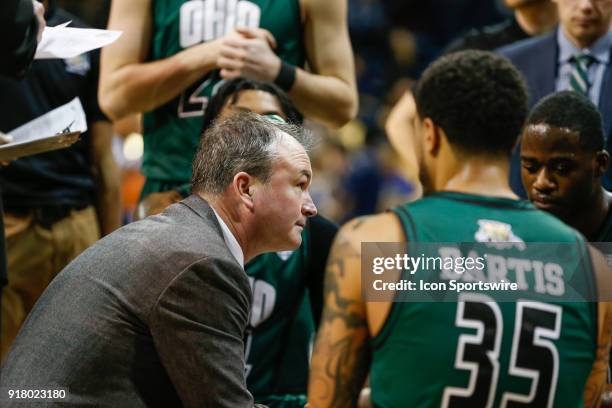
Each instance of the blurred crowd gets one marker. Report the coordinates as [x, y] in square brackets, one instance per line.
[356, 171]
[169, 117]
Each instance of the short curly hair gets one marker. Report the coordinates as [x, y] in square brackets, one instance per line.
[231, 89]
[478, 98]
[573, 111]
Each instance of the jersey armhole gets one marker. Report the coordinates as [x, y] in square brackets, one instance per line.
[396, 307]
[593, 289]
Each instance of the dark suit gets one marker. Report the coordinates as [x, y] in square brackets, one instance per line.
[537, 58]
[18, 31]
[18, 42]
[151, 315]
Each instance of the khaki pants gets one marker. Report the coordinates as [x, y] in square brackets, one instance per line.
[35, 255]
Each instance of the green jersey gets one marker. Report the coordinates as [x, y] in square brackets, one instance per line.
[605, 231]
[476, 352]
[285, 307]
[172, 131]
[281, 326]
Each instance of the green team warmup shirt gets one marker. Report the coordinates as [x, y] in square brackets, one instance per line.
[477, 353]
[171, 132]
[287, 304]
[281, 328]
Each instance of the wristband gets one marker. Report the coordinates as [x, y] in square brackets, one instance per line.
[285, 77]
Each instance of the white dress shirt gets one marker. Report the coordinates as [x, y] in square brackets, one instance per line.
[230, 240]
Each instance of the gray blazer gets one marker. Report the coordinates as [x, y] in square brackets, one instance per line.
[153, 315]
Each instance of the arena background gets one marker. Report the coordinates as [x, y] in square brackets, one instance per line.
[356, 171]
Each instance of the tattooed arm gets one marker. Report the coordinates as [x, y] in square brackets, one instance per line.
[341, 356]
[599, 373]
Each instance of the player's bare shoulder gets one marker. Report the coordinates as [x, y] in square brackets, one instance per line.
[344, 263]
[384, 227]
[602, 273]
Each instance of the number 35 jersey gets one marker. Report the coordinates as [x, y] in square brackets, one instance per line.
[172, 131]
[473, 351]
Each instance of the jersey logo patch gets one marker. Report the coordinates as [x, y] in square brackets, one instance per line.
[206, 20]
[284, 255]
[498, 232]
[78, 65]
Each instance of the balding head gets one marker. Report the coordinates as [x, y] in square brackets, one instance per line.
[244, 142]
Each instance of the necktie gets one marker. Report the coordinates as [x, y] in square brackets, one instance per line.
[579, 78]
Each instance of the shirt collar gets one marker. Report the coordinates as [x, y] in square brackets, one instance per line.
[600, 50]
[230, 240]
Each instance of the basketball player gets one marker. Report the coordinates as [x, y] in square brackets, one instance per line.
[563, 160]
[173, 54]
[473, 352]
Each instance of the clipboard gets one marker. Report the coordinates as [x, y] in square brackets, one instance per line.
[15, 150]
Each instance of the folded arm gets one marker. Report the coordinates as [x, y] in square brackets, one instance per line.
[328, 93]
[128, 84]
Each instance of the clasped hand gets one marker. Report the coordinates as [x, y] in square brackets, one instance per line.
[248, 52]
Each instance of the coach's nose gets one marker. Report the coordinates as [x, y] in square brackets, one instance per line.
[308, 208]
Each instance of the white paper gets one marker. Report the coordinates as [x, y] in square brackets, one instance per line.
[68, 42]
[67, 23]
[68, 117]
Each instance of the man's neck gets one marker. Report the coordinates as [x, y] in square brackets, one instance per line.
[231, 221]
[478, 176]
[536, 17]
[589, 219]
[577, 42]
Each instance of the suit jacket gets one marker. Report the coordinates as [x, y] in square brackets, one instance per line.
[151, 315]
[537, 58]
[18, 30]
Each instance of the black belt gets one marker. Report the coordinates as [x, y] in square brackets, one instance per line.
[48, 215]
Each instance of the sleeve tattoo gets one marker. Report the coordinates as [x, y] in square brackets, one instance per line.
[342, 352]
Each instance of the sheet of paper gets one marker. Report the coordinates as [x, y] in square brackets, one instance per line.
[67, 23]
[68, 42]
[67, 118]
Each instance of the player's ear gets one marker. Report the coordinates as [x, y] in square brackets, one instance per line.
[602, 160]
[244, 186]
[431, 136]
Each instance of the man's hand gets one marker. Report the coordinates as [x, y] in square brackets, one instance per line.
[606, 396]
[4, 139]
[155, 203]
[365, 400]
[249, 53]
[39, 12]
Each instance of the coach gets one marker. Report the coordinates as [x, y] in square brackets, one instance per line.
[154, 314]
